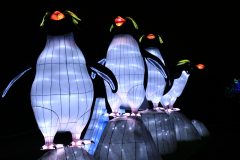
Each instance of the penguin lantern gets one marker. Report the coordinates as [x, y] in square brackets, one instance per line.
[125, 59]
[156, 81]
[62, 92]
[184, 68]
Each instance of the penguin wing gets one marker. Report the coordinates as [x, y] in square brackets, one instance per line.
[156, 62]
[107, 75]
[102, 62]
[13, 81]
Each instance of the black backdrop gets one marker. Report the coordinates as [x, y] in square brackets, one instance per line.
[205, 33]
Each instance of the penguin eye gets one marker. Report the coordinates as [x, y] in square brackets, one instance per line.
[151, 36]
[57, 15]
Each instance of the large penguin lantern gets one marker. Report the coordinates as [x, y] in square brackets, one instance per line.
[126, 60]
[62, 92]
[156, 81]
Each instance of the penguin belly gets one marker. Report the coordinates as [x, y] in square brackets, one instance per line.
[156, 82]
[124, 59]
[62, 91]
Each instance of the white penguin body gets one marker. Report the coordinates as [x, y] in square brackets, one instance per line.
[125, 60]
[178, 86]
[62, 91]
[156, 82]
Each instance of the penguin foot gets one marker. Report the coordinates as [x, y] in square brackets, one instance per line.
[48, 146]
[59, 146]
[77, 143]
[113, 114]
[169, 110]
[136, 114]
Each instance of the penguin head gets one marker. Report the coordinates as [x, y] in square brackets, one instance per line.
[182, 65]
[59, 22]
[188, 66]
[151, 40]
[124, 25]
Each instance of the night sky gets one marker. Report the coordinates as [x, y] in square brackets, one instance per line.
[204, 33]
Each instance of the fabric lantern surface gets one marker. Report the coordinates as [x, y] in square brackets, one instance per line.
[67, 153]
[126, 138]
[62, 91]
[156, 82]
[125, 60]
[97, 124]
[169, 99]
[162, 130]
[201, 128]
[184, 129]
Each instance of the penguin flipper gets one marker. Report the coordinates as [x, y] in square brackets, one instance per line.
[102, 62]
[13, 81]
[156, 62]
[107, 75]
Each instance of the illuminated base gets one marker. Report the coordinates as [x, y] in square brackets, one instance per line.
[184, 129]
[71, 153]
[201, 128]
[126, 138]
[166, 110]
[162, 130]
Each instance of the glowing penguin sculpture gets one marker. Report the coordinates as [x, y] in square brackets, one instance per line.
[62, 92]
[184, 129]
[156, 81]
[178, 86]
[125, 59]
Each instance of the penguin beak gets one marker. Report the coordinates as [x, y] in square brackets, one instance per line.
[57, 15]
[151, 36]
[200, 66]
[119, 21]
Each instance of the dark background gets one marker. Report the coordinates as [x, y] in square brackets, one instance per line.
[202, 32]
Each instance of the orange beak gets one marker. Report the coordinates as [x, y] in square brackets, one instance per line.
[119, 21]
[151, 36]
[57, 15]
[200, 66]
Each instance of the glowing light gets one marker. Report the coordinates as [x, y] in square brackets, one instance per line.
[162, 130]
[184, 129]
[57, 16]
[178, 86]
[200, 66]
[98, 119]
[131, 92]
[72, 153]
[62, 90]
[119, 21]
[130, 142]
[151, 36]
[13, 81]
